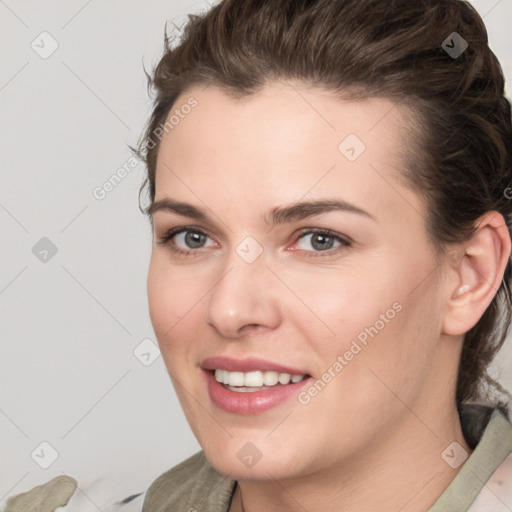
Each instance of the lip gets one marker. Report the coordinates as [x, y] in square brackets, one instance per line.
[248, 365]
[254, 402]
[250, 403]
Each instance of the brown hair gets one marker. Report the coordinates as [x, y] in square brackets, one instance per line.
[460, 158]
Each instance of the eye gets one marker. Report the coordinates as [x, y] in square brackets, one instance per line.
[321, 240]
[188, 240]
[185, 240]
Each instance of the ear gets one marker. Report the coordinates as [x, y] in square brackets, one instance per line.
[476, 268]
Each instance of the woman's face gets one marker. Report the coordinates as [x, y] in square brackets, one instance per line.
[345, 291]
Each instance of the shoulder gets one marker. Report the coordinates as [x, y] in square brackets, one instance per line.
[496, 495]
[493, 452]
[192, 484]
[64, 493]
[484, 480]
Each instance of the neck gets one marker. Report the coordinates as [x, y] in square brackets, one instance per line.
[403, 472]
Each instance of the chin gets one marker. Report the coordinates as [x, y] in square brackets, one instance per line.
[262, 470]
[244, 460]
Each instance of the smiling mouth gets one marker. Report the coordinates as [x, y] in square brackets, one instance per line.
[247, 382]
[252, 392]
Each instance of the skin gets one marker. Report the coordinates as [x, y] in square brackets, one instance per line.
[372, 438]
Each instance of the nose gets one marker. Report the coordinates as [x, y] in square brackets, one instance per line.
[244, 298]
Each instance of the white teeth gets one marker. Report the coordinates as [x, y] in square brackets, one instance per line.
[284, 378]
[270, 378]
[236, 378]
[255, 379]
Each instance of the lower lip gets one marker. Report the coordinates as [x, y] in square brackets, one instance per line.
[250, 402]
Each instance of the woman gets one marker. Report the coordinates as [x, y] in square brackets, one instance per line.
[332, 238]
[330, 275]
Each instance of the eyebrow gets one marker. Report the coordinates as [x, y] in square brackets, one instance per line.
[279, 215]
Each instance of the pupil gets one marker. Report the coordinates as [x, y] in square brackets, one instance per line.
[194, 240]
[325, 242]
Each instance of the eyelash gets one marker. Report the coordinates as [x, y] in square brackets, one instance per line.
[345, 242]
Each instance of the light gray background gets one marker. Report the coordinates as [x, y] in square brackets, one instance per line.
[69, 326]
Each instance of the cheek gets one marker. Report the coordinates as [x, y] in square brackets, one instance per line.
[371, 318]
[168, 305]
[337, 307]
[171, 297]
[161, 300]
[176, 308]
[390, 353]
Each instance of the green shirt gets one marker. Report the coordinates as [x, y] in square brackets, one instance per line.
[195, 485]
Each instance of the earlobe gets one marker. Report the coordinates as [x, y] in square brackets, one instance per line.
[476, 276]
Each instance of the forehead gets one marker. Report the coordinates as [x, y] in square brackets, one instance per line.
[281, 144]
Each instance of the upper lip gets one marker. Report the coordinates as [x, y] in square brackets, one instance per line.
[247, 365]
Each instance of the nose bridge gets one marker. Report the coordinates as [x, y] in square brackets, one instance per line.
[242, 295]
